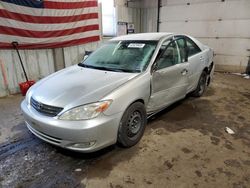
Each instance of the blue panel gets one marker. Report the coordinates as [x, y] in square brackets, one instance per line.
[27, 3]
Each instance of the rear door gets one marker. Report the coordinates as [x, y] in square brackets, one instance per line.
[169, 79]
[196, 60]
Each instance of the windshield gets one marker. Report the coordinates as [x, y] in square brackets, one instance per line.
[122, 56]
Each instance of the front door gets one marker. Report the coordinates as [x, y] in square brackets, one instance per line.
[170, 77]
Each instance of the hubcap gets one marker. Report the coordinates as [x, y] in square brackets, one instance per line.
[134, 124]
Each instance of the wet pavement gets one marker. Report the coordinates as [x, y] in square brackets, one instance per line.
[183, 146]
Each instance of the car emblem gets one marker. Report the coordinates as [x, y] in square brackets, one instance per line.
[39, 106]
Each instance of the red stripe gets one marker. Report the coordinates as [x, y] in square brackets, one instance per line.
[69, 5]
[46, 19]
[45, 34]
[52, 45]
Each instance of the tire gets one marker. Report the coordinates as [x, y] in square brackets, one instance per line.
[132, 125]
[202, 85]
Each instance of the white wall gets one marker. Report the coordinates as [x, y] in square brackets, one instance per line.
[38, 64]
[130, 13]
[74, 55]
[149, 11]
[224, 26]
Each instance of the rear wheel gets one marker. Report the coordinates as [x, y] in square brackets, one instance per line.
[202, 85]
[132, 125]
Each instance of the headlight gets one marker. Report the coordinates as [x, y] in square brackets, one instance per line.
[88, 111]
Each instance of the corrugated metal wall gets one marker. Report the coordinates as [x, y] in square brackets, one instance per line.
[149, 11]
[74, 55]
[130, 13]
[38, 64]
[223, 25]
[149, 24]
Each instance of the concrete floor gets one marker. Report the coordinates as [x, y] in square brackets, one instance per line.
[184, 146]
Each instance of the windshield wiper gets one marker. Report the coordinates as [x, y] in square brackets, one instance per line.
[128, 70]
[83, 65]
[119, 69]
[88, 66]
[96, 67]
[108, 69]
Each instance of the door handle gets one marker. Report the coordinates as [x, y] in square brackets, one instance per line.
[201, 58]
[184, 71]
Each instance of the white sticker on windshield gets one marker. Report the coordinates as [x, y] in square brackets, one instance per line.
[136, 45]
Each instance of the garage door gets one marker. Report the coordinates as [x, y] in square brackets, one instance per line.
[223, 25]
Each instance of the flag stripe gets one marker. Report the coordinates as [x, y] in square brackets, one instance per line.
[46, 19]
[53, 4]
[46, 12]
[45, 34]
[27, 3]
[8, 38]
[52, 45]
[45, 27]
[69, 5]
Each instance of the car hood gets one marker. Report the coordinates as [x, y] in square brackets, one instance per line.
[76, 85]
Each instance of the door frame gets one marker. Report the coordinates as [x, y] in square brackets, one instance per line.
[153, 65]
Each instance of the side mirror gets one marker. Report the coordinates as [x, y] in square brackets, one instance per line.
[85, 57]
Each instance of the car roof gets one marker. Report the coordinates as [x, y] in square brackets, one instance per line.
[142, 36]
[154, 37]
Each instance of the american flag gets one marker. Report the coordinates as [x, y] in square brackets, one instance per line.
[48, 23]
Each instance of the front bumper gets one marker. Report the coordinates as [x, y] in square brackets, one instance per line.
[83, 136]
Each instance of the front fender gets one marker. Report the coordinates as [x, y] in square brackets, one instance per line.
[135, 89]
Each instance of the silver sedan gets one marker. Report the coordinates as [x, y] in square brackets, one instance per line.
[107, 97]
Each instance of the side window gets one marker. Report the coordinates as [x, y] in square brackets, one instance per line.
[182, 47]
[163, 47]
[192, 48]
[169, 57]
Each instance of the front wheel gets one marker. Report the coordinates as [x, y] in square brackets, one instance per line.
[132, 125]
[202, 85]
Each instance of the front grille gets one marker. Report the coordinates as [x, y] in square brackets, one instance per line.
[44, 108]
